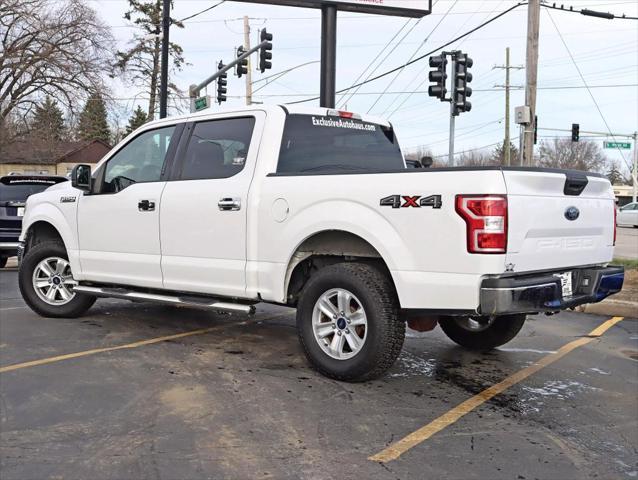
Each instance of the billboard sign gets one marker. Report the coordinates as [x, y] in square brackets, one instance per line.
[400, 8]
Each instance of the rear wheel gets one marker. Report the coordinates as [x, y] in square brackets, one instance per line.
[482, 333]
[46, 282]
[348, 322]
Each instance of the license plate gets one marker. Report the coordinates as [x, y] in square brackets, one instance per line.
[566, 283]
[20, 212]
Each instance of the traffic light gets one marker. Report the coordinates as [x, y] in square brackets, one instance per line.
[221, 84]
[462, 77]
[242, 67]
[438, 76]
[575, 132]
[265, 52]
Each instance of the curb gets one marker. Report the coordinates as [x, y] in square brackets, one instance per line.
[614, 308]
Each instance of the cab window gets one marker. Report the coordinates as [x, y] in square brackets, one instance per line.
[141, 160]
[217, 148]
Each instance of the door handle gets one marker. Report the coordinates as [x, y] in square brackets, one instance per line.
[146, 206]
[229, 204]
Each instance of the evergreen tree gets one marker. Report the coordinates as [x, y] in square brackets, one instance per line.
[141, 61]
[615, 176]
[138, 119]
[93, 123]
[498, 156]
[48, 121]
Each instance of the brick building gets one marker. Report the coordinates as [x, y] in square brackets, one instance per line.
[27, 157]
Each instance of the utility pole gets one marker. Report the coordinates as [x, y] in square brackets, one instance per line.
[634, 173]
[507, 67]
[166, 23]
[249, 75]
[533, 23]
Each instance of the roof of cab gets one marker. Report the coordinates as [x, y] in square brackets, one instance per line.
[292, 109]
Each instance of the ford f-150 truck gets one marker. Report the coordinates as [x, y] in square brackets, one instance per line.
[315, 209]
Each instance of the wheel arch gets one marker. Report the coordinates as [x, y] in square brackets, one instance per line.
[323, 248]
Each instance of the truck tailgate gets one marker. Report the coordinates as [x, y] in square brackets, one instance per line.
[558, 219]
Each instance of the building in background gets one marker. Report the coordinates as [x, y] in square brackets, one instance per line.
[28, 158]
[623, 194]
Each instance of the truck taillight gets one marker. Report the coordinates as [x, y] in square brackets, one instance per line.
[615, 223]
[486, 220]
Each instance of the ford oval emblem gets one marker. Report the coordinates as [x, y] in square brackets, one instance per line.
[572, 213]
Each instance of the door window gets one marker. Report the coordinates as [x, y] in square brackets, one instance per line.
[141, 160]
[217, 149]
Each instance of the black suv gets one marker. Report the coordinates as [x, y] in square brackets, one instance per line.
[14, 191]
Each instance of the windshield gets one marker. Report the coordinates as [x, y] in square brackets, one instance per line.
[316, 143]
[19, 192]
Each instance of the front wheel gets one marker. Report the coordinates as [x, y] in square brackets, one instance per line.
[46, 282]
[482, 333]
[348, 322]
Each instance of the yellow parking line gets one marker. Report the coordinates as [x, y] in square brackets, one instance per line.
[141, 343]
[398, 448]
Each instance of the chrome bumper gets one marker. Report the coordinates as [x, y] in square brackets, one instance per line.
[542, 292]
[9, 245]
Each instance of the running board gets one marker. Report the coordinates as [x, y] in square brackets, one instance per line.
[206, 303]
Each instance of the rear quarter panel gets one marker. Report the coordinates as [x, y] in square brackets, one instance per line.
[424, 248]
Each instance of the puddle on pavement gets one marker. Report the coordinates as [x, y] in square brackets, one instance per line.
[533, 399]
[412, 365]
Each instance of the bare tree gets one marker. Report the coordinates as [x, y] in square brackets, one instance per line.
[563, 153]
[50, 49]
[141, 62]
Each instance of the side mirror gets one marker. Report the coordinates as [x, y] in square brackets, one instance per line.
[427, 162]
[81, 177]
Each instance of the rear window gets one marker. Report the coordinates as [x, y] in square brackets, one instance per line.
[19, 191]
[320, 143]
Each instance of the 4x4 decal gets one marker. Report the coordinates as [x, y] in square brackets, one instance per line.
[416, 201]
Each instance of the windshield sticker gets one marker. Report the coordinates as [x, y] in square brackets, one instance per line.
[341, 123]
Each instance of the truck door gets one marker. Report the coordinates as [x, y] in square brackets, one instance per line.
[204, 210]
[118, 224]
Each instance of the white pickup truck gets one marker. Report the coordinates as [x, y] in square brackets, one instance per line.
[315, 209]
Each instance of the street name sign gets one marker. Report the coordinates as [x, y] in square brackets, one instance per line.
[202, 103]
[399, 8]
[621, 145]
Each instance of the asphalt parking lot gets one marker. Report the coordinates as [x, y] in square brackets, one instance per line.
[234, 398]
[627, 243]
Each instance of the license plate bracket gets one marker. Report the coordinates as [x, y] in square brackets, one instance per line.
[566, 283]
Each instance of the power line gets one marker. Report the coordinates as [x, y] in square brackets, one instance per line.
[412, 56]
[200, 12]
[418, 59]
[376, 58]
[587, 87]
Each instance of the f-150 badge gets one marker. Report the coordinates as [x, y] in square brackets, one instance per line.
[415, 201]
[67, 199]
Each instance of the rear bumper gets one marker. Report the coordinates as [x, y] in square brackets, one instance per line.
[8, 249]
[542, 292]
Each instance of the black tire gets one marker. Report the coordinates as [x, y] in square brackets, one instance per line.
[385, 330]
[3, 262]
[499, 332]
[77, 306]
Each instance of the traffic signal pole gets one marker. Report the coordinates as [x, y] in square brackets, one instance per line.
[327, 86]
[194, 90]
[452, 110]
[166, 23]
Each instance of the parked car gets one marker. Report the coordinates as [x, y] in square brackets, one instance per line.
[315, 209]
[628, 215]
[14, 191]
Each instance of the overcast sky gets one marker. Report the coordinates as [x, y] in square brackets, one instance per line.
[606, 51]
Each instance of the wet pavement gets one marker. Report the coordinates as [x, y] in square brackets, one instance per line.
[240, 401]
